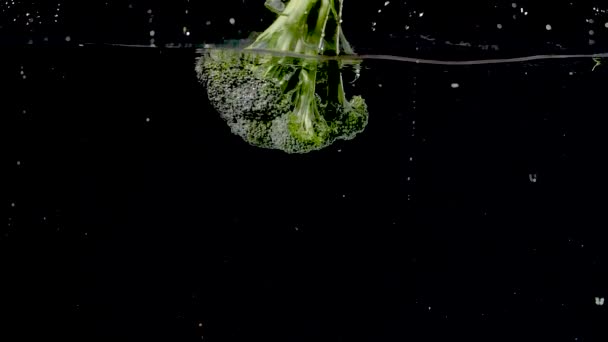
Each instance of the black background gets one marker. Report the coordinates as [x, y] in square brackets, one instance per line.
[474, 212]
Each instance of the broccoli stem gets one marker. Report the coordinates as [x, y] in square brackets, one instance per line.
[307, 122]
[300, 28]
[308, 27]
[307, 106]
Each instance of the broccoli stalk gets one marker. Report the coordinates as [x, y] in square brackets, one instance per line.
[300, 28]
[306, 122]
[278, 101]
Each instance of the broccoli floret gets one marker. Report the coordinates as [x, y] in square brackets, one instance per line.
[292, 100]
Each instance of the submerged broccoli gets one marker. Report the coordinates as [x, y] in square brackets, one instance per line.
[282, 101]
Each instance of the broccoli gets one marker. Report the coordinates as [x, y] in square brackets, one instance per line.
[292, 97]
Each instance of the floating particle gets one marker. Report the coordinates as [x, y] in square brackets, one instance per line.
[599, 301]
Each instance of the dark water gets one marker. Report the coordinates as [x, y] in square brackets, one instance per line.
[473, 207]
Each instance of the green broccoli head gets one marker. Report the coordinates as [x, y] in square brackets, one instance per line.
[294, 104]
